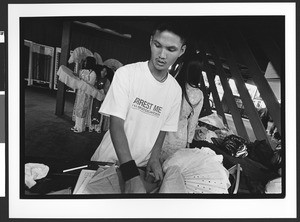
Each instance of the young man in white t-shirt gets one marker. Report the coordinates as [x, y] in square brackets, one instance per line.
[143, 103]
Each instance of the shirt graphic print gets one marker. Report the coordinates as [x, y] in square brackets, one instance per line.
[147, 107]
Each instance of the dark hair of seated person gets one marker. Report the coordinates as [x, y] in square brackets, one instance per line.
[89, 63]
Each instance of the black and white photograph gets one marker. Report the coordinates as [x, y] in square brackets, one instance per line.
[162, 106]
[222, 113]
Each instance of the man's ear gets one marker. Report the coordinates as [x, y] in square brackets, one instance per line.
[183, 48]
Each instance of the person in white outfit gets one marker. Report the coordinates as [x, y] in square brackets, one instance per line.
[83, 101]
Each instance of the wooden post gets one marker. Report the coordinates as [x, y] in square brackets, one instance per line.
[30, 82]
[51, 69]
[65, 50]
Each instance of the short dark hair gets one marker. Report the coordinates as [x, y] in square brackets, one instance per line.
[172, 26]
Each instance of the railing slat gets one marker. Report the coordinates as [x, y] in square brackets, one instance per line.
[220, 49]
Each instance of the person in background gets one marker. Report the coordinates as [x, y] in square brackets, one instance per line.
[110, 74]
[105, 119]
[102, 82]
[191, 105]
[143, 103]
[83, 101]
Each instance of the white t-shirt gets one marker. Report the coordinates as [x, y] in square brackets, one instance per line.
[147, 107]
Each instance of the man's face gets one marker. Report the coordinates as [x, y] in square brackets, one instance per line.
[166, 47]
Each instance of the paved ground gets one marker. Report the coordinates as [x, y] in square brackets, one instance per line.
[47, 135]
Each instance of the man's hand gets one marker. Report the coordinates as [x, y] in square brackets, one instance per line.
[135, 185]
[154, 167]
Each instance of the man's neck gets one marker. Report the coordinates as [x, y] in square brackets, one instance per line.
[159, 75]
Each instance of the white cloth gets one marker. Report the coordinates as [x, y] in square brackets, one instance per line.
[201, 170]
[146, 105]
[34, 171]
[79, 54]
[67, 77]
[274, 186]
[202, 133]
[173, 181]
[105, 181]
[214, 119]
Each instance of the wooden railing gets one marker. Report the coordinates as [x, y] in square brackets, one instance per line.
[232, 47]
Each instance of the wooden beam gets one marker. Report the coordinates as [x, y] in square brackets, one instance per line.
[65, 50]
[219, 48]
[257, 126]
[273, 53]
[206, 106]
[212, 84]
[260, 81]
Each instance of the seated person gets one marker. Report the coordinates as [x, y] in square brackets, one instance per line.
[191, 170]
[191, 105]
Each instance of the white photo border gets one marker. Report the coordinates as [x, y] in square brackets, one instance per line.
[150, 208]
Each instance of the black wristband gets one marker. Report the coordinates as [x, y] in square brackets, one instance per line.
[129, 170]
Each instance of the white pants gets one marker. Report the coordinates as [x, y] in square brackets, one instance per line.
[79, 124]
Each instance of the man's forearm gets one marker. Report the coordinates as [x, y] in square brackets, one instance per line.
[128, 166]
[119, 139]
[158, 144]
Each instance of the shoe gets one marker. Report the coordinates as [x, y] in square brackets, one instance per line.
[90, 130]
[95, 121]
[73, 128]
[98, 131]
[76, 131]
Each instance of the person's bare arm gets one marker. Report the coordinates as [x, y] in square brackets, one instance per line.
[119, 139]
[154, 164]
[120, 142]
